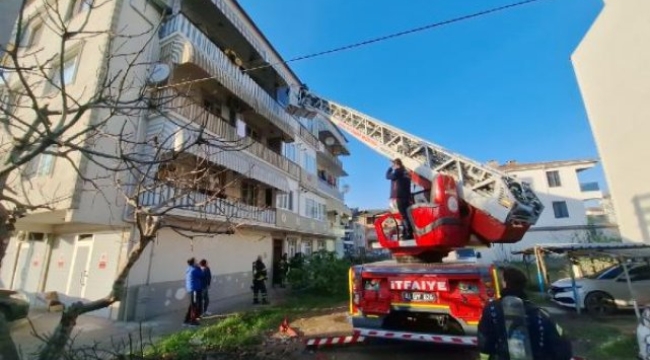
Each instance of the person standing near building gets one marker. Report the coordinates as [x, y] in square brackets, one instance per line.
[259, 281]
[205, 292]
[546, 338]
[400, 192]
[193, 286]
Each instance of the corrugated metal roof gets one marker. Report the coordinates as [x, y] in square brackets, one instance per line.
[616, 249]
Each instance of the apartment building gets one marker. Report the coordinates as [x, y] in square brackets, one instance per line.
[565, 197]
[286, 197]
[612, 66]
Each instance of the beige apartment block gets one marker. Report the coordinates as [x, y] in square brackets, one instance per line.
[612, 65]
[565, 196]
[288, 198]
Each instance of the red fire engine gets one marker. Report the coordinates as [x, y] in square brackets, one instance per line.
[461, 203]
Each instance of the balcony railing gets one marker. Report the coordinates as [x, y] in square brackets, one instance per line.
[179, 30]
[191, 111]
[244, 29]
[322, 150]
[330, 190]
[168, 197]
[308, 137]
[590, 186]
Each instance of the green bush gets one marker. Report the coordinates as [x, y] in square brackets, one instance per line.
[321, 273]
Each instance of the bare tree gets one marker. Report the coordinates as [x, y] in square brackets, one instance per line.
[93, 127]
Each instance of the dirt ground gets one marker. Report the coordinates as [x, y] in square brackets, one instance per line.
[586, 332]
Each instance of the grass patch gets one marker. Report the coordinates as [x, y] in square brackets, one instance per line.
[239, 330]
[596, 341]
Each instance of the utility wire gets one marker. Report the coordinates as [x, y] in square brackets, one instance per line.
[374, 40]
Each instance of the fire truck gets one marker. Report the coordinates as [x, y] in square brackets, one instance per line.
[459, 203]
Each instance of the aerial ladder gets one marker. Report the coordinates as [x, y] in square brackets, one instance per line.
[463, 202]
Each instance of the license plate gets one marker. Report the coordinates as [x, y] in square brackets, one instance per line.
[418, 296]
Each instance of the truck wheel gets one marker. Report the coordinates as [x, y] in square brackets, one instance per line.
[599, 303]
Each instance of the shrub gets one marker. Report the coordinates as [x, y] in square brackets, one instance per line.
[321, 273]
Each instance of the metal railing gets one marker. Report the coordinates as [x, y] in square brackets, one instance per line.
[168, 197]
[170, 100]
[330, 190]
[333, 159]
[215, 62]
[308, 137]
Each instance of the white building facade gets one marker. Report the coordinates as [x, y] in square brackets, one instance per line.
[288, 199]
[563, 194]
[612, 66]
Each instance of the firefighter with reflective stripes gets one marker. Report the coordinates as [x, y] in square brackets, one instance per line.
[546, 337]
[259, 281]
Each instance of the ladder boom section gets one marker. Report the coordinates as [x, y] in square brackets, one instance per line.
[482, 186]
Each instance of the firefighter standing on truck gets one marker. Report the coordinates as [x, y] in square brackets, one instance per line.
[546, 337]
[259, 281]
[400, 193]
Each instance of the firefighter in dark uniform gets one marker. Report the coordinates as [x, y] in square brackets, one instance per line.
[259, 281]
[546, 337]
[400, 192]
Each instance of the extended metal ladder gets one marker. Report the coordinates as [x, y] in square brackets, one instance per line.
[485, 188]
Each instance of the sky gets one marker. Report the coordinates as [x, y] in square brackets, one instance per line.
[498, 87]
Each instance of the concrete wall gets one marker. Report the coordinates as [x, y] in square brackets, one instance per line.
[612, 65]
[569, 191]
[157, 282]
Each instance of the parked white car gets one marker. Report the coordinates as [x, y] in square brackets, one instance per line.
[605, 291]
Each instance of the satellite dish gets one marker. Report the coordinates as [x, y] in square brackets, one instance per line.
[329, 141]
[345, 188]
[160, 73]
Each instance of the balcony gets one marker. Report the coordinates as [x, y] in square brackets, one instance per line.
[309, 138]
[330, 162]
[185, 203]
[332, 137]
[183, 43]
[308, 180]
[590, 191]
[171, 101]
[294, 222]
[330, 190]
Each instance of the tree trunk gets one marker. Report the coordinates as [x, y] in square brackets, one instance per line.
[8, 349]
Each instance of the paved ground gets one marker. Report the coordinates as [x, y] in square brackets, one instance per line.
[91, 330]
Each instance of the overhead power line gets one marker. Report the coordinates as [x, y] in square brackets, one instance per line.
[377, 39]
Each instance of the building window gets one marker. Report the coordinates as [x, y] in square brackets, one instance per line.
[290, 152]
[249, 194]
[80, 6]
[553, 178]
[31, 34]
[560, 209]
[285, 201]
[41, 165]
[292, 245]
[307, 247]
[310, 164]
[67, 72]
[321, 245]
